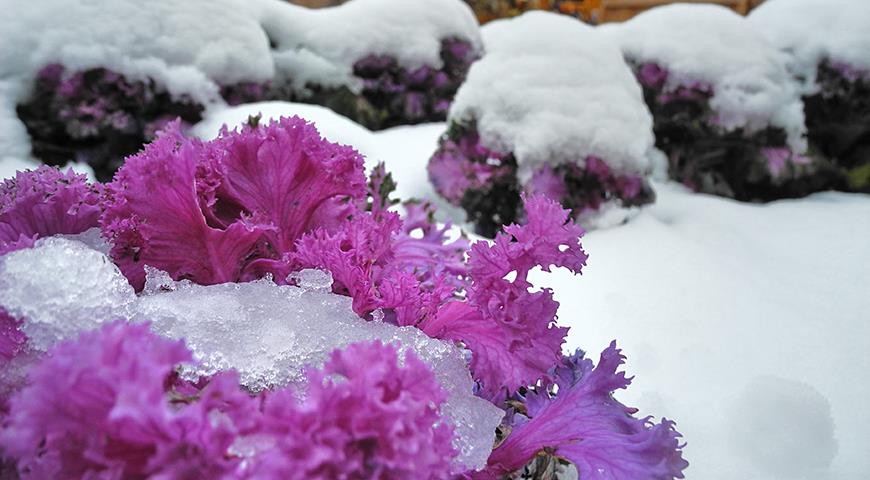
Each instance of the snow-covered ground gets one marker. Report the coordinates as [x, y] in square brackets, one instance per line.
[747, 324]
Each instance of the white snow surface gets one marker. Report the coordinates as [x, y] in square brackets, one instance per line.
[810, 31]
[62, 287]
[745, 323]
[712, 44]
[193, 46]
[551, 89]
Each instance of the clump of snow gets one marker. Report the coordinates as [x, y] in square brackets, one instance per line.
[551, 89]
[268, 333]
[812, 31]
[784, 427]
[711, 44]
[61, 287]
[331, 125]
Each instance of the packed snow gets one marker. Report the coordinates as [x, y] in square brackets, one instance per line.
[551, 89]
[810, 31]
[268, 333]
[271, 333]
[192, 47]
[62, 287]
[709, 43]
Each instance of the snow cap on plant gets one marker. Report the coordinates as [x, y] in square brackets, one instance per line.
[229, 209]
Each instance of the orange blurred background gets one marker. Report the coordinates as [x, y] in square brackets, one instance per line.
[592, 11]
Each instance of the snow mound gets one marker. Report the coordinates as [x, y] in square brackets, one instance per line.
[551, 89]
[784, 427]
[61, 287]
[711, 44]
[812, 31]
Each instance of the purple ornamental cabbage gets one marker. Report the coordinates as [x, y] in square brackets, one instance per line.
[364, 415]
[230, 209]
[390, 95]
[398, 95]
[484, 182]
[736, 164]
[96, 407]
[838, 122]
[97, 116]
[580, 421]
[510, 330]
[46, 202]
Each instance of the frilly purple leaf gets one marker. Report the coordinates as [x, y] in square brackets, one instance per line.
[584, 424]
[230, 209]
[44, 202]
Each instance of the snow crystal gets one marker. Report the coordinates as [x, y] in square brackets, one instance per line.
[551, 89]
[270, 333]
[810, 31]
[709, 43]
[784, 427]
[61, 287]
[92, 237]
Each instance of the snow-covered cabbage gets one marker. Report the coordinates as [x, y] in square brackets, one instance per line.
[727, 113]
[90, 80]
[826, 44]
[551, 109]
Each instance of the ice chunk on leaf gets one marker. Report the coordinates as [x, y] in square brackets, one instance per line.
[61, 287]
[269, 333]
